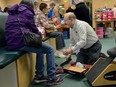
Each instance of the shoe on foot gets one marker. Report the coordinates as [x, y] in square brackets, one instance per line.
[57, 80]
[59, 54]
[59, 71]
[39, 79]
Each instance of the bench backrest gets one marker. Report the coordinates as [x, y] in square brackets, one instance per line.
[3, 17]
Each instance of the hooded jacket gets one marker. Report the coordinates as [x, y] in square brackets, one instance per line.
[82, 12]
[14, 36]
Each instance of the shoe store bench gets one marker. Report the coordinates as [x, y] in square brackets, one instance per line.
[16, 67]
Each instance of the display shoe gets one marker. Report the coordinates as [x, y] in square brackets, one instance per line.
[59, 54]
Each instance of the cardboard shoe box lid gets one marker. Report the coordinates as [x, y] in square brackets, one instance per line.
[74, 69]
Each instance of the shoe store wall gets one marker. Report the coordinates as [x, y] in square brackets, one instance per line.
[2, 4]
[5, 3]
[101, 4]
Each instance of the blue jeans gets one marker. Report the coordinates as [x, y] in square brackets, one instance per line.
[49, 51]
[59, 39]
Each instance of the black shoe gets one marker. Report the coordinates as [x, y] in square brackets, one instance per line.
[38, 79]
[57, 80]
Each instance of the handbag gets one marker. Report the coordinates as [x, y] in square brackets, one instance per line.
[31, 39]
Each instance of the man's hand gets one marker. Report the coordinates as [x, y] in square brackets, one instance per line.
[67, 51]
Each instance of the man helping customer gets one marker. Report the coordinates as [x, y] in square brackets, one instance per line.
[84, 39]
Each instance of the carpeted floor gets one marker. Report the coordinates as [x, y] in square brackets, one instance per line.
[72, 81]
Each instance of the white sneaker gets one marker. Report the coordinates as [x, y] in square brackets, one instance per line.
[59, 54]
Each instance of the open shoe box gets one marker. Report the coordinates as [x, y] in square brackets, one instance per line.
[76, 70]
[71, 68]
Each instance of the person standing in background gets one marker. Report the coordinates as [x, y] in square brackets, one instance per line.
[51, 13]
[82, 12]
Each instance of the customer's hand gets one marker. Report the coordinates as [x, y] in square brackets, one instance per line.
[58, 26]
[67, 51]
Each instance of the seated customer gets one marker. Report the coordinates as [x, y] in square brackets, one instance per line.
[14, 38]
[50, 12]
[42, 20]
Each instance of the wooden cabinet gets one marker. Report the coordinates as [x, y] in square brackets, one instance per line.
[111, 22]
[100, 4]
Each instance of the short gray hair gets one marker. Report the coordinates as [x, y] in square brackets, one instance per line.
[36, 2]
[71, 15]
[52, 3]
[27, 2]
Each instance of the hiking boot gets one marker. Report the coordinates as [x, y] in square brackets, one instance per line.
[38, 79]
[58, 79]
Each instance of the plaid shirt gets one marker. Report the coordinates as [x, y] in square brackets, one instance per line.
[42, 20]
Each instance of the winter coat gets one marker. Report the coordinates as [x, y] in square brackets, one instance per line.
[82, 12]
[14, 36]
